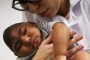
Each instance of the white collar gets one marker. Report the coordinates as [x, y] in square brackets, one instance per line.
[75, 8]
[73, 2]
[75, 11]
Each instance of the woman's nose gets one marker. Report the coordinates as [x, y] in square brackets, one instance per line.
[32, 7]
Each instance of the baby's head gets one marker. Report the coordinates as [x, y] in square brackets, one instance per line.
[22, 38]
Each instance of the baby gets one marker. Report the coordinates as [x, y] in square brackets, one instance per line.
[24, 39]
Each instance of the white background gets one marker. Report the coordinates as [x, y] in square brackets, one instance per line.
[8, 16]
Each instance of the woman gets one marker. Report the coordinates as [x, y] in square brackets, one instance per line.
[51, 8]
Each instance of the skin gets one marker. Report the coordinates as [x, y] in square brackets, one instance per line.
[60, 38]
[46, 7]
[82, 55]
[24, 41]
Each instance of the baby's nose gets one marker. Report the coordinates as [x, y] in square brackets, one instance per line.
[26, 40]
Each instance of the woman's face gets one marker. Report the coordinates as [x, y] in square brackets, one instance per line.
[48, 8]
[26, 39]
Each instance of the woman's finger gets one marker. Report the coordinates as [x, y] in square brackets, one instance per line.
[71, 52]
[73, 32]
[48, 39]
[74, 40]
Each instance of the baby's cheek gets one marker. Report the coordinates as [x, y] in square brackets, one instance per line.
[25, 51]
[39, 42]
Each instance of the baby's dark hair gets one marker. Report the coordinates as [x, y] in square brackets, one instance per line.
[7, 34]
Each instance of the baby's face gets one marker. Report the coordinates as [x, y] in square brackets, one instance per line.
[26, 38]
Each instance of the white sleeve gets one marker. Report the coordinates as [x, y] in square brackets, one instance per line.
[58, 19]
[89, 8]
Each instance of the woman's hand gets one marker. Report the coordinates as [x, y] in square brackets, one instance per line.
[72, 51]
[45, 51]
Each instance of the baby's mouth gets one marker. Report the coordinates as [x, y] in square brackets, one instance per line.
[35, 43]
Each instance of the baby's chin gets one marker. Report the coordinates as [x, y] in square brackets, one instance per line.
[38, 43]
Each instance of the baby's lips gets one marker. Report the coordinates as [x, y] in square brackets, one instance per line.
[36, 40]
[34, 43]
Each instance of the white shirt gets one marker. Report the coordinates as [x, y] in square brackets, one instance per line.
[80, 13]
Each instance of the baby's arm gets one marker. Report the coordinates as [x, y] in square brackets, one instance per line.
[60, 39]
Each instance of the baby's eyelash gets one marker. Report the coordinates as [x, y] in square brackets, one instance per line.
[25, 31]
[18, 46]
